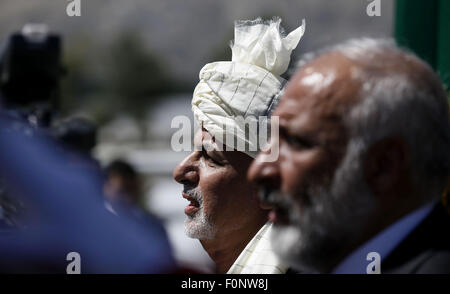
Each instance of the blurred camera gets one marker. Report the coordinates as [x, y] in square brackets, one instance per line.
[30, 73]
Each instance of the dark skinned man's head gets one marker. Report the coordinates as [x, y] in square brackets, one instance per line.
[364, 140]
[222, 201]
[233, 103]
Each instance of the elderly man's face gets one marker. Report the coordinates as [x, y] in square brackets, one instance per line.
[221, 198]
[309, 184]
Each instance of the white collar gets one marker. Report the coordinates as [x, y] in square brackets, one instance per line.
[258, 256]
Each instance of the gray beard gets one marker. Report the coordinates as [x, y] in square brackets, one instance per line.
[334, 218]
[199, 226]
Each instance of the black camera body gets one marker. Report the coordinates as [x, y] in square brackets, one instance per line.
[30, 73]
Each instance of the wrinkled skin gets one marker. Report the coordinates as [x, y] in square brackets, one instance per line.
[312, 137]
[313, 143]
[229, 201]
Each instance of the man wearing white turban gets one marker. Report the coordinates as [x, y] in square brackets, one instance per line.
[224, 212]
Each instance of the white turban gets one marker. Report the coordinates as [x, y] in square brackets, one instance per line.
[248, 86]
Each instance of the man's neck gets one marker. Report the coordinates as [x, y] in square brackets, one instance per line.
[225, 249]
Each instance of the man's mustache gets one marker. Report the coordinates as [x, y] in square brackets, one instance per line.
[274, 198]
[193, 192]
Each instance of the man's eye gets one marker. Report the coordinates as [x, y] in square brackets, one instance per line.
[298, 143]
[209, 158]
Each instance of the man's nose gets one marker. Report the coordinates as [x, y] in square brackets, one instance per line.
[186, 171]
[264, 172]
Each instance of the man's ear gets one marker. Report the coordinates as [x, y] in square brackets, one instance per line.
[386, 165]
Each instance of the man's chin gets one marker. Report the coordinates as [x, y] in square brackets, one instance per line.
[197, 227]
[286, 240]
[289, 245]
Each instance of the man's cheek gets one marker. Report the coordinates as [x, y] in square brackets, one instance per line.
[293, 175]
[211, 200]
[311, 169]
[225, 182]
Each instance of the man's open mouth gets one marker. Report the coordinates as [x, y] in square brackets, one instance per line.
[279, 216]
[193, 205]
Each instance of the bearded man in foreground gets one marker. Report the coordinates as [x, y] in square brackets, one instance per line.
[364, 158]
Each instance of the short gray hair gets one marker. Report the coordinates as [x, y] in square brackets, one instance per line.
[399, 104]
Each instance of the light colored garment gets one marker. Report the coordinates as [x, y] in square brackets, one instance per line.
[384, 242]
[234, 94]
[258, 256]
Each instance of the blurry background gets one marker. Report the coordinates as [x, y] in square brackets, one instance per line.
[132, 66]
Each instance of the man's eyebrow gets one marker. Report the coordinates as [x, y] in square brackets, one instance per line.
[288, 129]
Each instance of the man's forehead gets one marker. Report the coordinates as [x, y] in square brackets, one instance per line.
[326, 84]
[202, 136]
